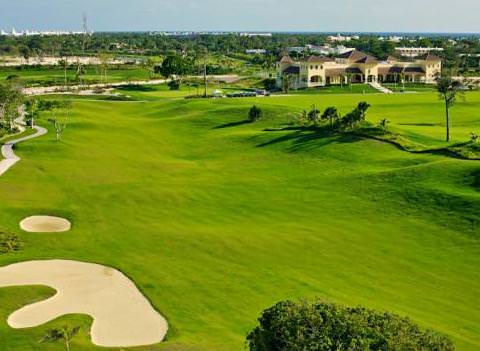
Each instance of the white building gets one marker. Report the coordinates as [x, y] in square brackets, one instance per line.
[29, 33]
[254, 34]
[415, 51]
[325, 50]
[256, 51]
[342, 38]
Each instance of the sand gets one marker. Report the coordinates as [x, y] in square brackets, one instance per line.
[45, 224]
[123, 317]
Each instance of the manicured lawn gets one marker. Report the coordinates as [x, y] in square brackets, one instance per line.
[216, 219]
[156, 92]
[409, 87]
[337, 89]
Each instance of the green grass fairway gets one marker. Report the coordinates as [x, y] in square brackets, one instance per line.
[216, 219]
[56, 76]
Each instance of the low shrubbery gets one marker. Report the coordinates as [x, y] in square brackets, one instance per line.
[255, 113]
[9, 243]
[174, 84]
[270, 84]
[320, 326]
[332, 119]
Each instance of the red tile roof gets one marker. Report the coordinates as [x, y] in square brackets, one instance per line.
[320, 59]
[286, 59]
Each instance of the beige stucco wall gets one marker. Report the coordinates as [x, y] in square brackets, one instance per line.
[313, 69]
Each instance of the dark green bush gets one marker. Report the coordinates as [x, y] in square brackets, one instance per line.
[270, 84]
[255, 114]
[320, 326]
[174, 85]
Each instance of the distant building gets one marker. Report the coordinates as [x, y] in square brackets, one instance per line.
[254, 34]
[393, 39]
[29, 33]
[256, 51]
[329, 50]
[356, 67]
[320, 50]
[342, 38]
[415, 51]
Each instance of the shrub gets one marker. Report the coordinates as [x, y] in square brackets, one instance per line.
[383, 124]
[255, 113]
[9, 243]
[270, 84]
[174, 84]
[290, 326]
[474, 137]
[331, 114]
[362, 108]
[314, 115]
[13, 77]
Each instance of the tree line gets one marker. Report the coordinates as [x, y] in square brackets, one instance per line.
[458, 55]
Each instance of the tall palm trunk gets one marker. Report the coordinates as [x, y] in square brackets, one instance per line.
[205, 81]
[65, 75]
[447, 116]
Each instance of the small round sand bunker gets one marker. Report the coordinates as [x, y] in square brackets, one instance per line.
[45, 224]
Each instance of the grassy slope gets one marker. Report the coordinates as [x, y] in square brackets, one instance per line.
[216, 220]
[54, 75]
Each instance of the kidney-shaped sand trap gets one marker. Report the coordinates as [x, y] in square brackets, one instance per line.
[45, 224]
[123, 317]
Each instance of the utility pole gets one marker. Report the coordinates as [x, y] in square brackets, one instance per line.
[85, 32]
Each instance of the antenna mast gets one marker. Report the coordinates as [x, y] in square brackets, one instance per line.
[85, 32]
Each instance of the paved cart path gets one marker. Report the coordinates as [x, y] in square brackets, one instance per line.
[7, 152]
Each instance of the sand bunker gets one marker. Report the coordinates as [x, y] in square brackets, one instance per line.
[45, 224]
[123, 317]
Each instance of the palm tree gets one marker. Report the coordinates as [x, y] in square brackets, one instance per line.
[64, 334]
[330, 113]
[64, 64]
[287, 82]
[448, 89]
[104, 59]
[349, 79]
[362, 108]
[402, 78]
[313, 115]
[384, 124]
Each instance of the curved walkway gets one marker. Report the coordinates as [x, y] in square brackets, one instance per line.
[7, 152]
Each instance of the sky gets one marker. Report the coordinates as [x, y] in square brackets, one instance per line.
[244, 15]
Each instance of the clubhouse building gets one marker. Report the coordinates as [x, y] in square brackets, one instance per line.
[357, 67]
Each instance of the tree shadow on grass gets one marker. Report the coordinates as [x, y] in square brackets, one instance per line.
[420, 124]
[308, 138]
[136, 87]
[233, 124]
